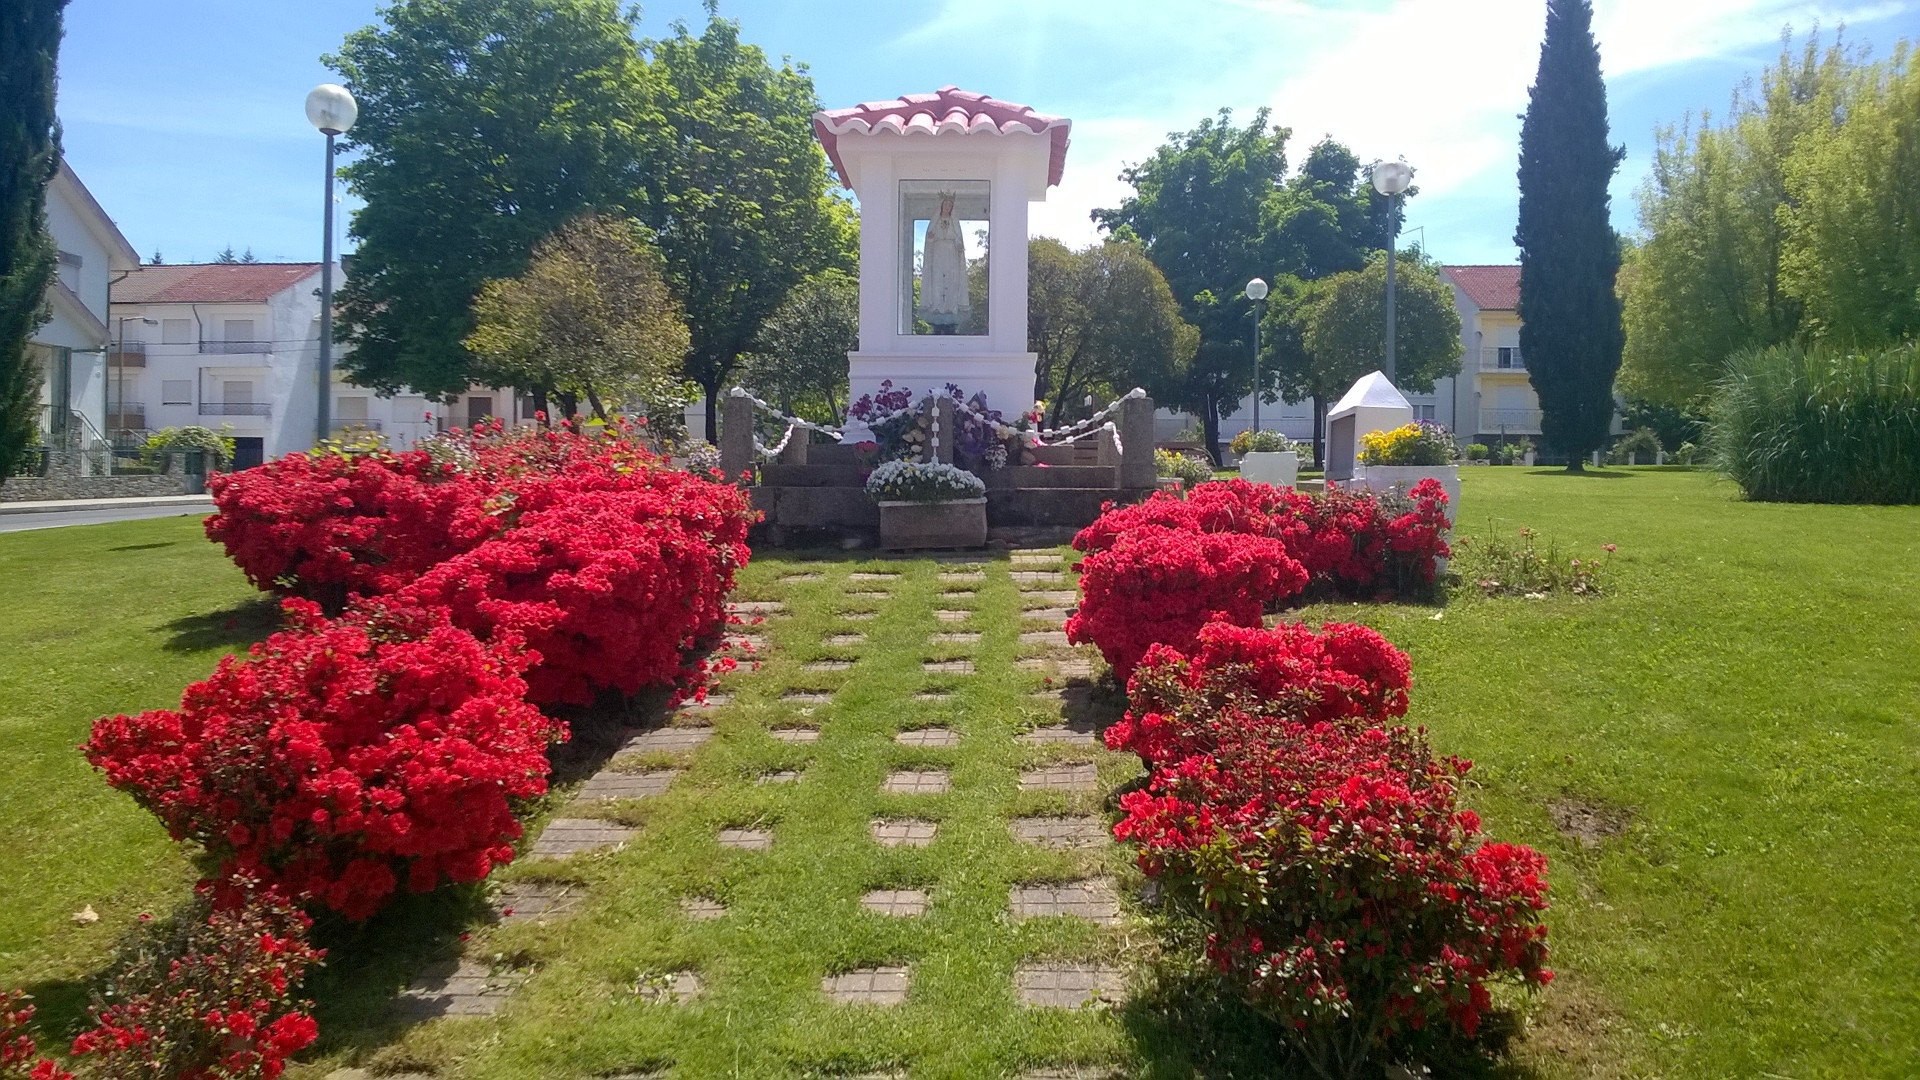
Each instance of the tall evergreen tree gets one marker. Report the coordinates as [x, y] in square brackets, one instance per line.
[29, 155]
[1569, 254]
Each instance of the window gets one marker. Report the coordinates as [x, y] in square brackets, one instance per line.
[176, 391]
[943, 267]
[410, 409]
[1509, 358]
[479, 408]
[237, 391]
[238, 330]
[350, 408]
[176, 332]
[1424, 412]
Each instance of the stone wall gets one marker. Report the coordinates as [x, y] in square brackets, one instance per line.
[66, 478]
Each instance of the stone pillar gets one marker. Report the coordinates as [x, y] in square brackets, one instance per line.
[943, 416]
[736, 435]
[1136, 443]
[796, 451]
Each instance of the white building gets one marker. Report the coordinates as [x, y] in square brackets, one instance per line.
[72, 345]
[237, 345]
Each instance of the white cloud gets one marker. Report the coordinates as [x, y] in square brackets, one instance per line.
[1439, 82]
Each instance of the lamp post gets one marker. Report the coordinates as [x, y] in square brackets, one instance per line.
[331, 109]
[1391, 178]
[1257, 292]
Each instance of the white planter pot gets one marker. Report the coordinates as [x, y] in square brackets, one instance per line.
[953, 524]
[1281, 468]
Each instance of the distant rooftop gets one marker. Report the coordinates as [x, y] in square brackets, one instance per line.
[1491, 288]
[210, 283]
[946, 110]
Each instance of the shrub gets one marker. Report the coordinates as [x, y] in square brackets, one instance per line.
[1342, 889]
[1351, 542]
[327, 526]
[206, 996]
[217, 445]
[1479, 452]
[1630, 446]
[1820, 425]
[1250, 441]
[1421, 443]
[613, 582]
[1189, 470]
[915, 481]
[19, 1057]
[1157, 585]
[341, 759]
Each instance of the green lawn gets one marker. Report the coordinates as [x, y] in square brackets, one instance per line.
[1744, 706]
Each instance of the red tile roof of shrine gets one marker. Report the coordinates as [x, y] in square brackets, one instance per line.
[1491, 288]
[946, 110]
[209, 283]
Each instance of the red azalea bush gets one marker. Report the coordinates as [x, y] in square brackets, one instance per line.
[614, 586]
[1159, 585]
[342, 758]
[328, 525]
[1340, 885]
[206, 998]
[1336, 673]
[19, 1058]
[1351, 542]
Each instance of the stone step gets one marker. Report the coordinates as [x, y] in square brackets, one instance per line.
[773, 474]
[1055, 476]
[1067, 507]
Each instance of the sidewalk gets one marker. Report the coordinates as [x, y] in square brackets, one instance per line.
[54, 505]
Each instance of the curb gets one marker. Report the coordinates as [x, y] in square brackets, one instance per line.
[71, 505]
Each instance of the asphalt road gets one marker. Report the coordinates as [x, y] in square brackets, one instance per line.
[55, 519]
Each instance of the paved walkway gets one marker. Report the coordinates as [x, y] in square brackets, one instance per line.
[1064, 782]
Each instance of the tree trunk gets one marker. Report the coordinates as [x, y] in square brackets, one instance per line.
[1320, 431]
[593, 400]
[1210, 430]
[569, 405]
[539, 394]
[1576, 465]
[713, 413]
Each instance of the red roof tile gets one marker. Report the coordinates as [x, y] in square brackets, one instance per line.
[210, 283]
[1491, 288]
[948, 109]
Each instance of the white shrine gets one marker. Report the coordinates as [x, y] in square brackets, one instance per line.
[944, 181]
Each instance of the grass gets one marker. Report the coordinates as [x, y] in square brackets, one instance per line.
[1732, 731]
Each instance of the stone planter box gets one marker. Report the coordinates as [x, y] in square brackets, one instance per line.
[1403, 477]
[1281, 468]
[958, 523]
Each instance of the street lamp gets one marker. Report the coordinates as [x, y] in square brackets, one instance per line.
[1256, 292]
[331, 109]
[1391, 178]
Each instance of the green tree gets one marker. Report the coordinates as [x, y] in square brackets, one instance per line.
[800, 361]
[737, 191]
[484, 126]
[591, 316]
[1102, 321]
[1705, 281]
[1569, 254]
[1341, 325]
[1198, 206]
[226, 256]
[29, 155]
[1853, 212]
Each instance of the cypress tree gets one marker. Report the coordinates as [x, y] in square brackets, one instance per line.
[29, 155]
[1569, 255]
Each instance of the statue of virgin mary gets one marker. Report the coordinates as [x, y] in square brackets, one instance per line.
[944, 303]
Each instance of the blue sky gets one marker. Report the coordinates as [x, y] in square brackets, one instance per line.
[184, 117]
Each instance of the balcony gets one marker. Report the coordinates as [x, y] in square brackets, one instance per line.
[1509, 422]
[236, 408]
[1502, 358]
[127, 416]
[235, 348]
[128, 354]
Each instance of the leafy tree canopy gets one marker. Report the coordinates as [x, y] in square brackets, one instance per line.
[736, 191]
[591, 316]
[800, 360]
[484, 126]
[1341, 324]
[1102, 320]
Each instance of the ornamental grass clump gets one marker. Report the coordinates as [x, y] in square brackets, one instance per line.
[918, 481]
[1342, 890]
[1424, 443]
[1821, 425]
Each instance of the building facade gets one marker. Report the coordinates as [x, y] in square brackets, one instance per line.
[236, 346]
[1493, 397]
[72, 345]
